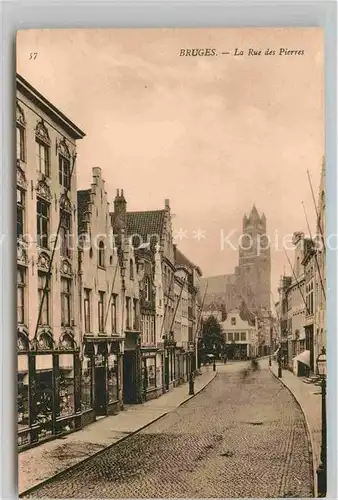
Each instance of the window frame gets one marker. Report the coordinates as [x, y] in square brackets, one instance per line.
[20, 209]
[43, 161]
[64, 172]
[42, 239]
[21, 143]
[65, 232]
[46, 310]
[66, 301]
[21, 294]
[101, 255]
[86, 310]
[101, 303]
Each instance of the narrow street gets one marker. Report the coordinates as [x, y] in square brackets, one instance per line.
[234, 439]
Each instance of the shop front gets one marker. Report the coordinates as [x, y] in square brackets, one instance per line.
[151, 375]
[132, 377]
[101, 375]
[49, 399]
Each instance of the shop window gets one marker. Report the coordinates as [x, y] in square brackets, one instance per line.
[66, 385]
[44, 396]
[112, 379]
[151, 372]
[23, 399]
[86, 385]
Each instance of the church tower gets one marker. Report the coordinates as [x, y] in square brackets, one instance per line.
[254, 269]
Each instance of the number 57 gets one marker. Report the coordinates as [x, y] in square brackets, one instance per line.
[33, 55]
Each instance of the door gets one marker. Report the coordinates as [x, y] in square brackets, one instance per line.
[100, 391]
[129, 378]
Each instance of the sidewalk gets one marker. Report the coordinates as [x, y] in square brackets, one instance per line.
[309, 398]
[45, 461]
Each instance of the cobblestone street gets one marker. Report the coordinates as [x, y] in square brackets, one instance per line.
[233, 439]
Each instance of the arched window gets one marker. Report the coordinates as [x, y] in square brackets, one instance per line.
[101, 254]
[131, 269]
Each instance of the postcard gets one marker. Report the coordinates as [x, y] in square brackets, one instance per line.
[171, 263]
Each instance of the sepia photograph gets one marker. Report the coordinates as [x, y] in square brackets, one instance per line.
[171, 263]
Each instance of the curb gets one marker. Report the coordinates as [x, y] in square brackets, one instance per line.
[314, 466]
[81, 462]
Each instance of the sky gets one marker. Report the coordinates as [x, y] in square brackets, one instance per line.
[213, 134]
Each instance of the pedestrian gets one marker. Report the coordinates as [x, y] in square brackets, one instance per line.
[225, 358]
[254, 365]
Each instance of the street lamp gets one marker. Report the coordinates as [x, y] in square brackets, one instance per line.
[321, 471]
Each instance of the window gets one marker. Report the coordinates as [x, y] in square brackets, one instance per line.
[113, 314]
[20, 212]
[230, 337]
[135, 318]
[20, 143]
[42, 152]
[44, 298]
[147, 289]
[64, 172]
[65, 301]
[233, 321]
[243, 336]
[236, 336]
[131, 269]
[42, 223]
[65, 232]
[128, 313]
[21, 279]
[101, 311]
[101, 254]
[87, 319]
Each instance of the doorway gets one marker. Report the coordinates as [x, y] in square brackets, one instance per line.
[100, 391]
[129, 378]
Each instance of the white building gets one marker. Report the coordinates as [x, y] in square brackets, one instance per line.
[49, 400]
[241, 338]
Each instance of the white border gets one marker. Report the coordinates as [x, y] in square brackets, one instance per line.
[94, 13]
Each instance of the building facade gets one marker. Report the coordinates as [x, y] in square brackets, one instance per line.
[240, 337]
[48, 332]
[101, 300]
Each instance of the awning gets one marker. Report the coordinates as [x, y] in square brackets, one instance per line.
[303, 357]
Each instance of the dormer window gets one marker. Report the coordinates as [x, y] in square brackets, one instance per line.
[101, 254]
[233, 321]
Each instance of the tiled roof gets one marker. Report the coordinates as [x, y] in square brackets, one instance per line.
[83, 200]
[144, 224]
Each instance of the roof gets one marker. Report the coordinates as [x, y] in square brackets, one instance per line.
[27, 89]
[182, 260]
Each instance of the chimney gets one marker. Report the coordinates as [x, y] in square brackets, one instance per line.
[166, 203]
[120, 204]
